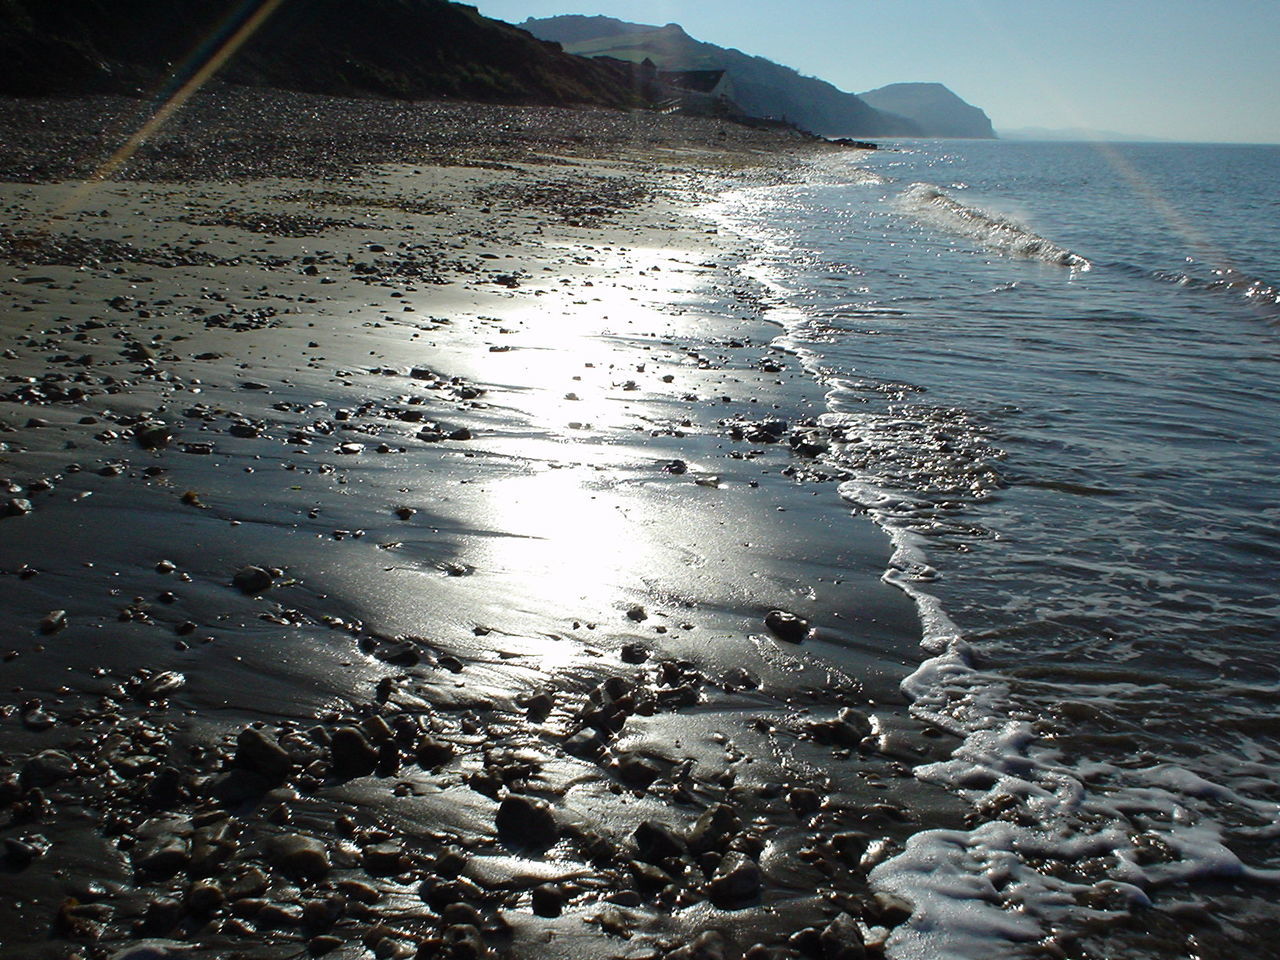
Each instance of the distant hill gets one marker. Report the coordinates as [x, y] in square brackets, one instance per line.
[935, 109]
[760, 87]
[391, 48]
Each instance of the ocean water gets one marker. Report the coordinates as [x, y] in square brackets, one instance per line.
[1053, 376]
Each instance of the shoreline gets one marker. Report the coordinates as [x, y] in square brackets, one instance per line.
[416, 562]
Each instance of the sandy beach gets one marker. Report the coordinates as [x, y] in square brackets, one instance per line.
[413, 545]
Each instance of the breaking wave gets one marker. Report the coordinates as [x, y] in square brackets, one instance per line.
[926, 201]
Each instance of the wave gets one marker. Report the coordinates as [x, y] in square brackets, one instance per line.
[927, 201]
[1230, 281]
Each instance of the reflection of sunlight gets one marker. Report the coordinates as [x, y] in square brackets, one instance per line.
[571, 545]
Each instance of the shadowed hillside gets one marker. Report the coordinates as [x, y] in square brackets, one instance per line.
[394, 48]
[938, 111]
[760, 87]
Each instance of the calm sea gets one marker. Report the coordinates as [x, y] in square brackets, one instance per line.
[1054, 374]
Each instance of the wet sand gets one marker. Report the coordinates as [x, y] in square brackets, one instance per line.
[389, 553]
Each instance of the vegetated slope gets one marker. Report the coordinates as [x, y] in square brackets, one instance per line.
[938, 111]
[396, 48]
[760, 87]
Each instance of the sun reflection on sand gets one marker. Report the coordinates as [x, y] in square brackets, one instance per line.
[572, 543]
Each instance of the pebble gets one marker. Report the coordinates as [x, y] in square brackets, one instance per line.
[548, 900]
[842, 940]
[737, 882]
[16, 507]
[656, 842]
[47, 768]
[53, 621]
[260, 753]
[350, 754]
[526, 822]
[296, 855]
[382, 859]
[787, 626]
[251, 579]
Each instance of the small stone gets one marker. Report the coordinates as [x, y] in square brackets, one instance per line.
[804, 801]
[886, 910]
[526, 822]
[634, 653]
[152, 434]
[737, 882]
[656, 842]
[53, 621]
[205, 897]
[787, 626]
[47, 768]
[548, 900]
[251, 580]
[350, 754]
[162, 857]
[260, 753]
[637, 613]
[319, 946]
[635, 772]
[16, 507]
[431, 752]
[708, 945]
[714, 828]
[298, 856]
[382, 859]
[842, 940]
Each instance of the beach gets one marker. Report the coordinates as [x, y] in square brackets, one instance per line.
[414, 544]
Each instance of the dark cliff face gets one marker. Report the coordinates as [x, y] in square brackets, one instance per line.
[394, 48]
[937, 111]
[760, 87]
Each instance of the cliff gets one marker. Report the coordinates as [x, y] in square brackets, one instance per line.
[760, 87]
[935, 109]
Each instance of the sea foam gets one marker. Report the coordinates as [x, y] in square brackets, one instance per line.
[929, 202]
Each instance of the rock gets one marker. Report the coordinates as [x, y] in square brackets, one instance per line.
[152, 950]
[886, 910]
[152, 434]
[713, 829]
[47, 768]
[463, 942]
[204, 897]
[548, 900]
[53, 621]
[804, 801]
[16, 507]
[675, 467]
[634, 653]
[298, 856]
[842, 940]
[260, 753]
[350, 754]
[656, 842]
[236, 786]
[737, 882]
[431, 752]
[637, 613]
[526, 822]
[162, 857]
[787, 626]
[251, 580]
[708, 945]
[382, 859]
[636, 772]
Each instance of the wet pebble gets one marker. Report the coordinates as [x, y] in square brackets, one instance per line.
[351, 754]
[297, 855]
[260, 753]
[737, 882]
[251, 579]
[526, 822]
[787, 626]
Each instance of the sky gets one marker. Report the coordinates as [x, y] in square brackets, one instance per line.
[1196, 70]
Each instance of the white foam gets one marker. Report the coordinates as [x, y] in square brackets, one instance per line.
[928, 202]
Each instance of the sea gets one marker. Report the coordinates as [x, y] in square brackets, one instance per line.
[1052, 377]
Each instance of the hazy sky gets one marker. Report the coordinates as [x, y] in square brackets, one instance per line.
[1179, 69]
